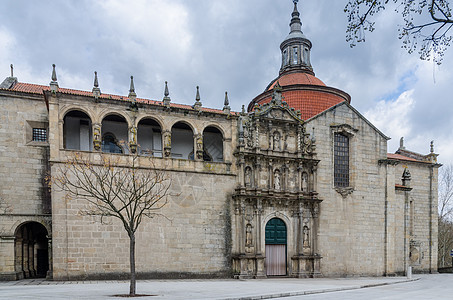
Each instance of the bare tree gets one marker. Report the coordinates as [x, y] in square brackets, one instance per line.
[445, 239]
[426, 24]
[115, 190]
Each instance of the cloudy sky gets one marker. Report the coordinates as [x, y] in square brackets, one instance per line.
[229, 45]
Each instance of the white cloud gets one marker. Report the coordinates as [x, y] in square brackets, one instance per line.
[391, 118]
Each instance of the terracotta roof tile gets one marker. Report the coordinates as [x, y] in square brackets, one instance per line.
[402, 157]
[38, 89]
[296, 78]
[310, 103]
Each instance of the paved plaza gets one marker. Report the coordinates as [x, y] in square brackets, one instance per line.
[439, 286]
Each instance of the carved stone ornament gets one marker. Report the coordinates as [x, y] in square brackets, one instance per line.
[199, 143]
[167, 143]
[344, 191]
[307, 143]
[133, 139]
[248, 134]
[97, 137]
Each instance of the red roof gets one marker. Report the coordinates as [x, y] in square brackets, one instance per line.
[402, 157]
[309, 102]
[296, 78]
[38, 89]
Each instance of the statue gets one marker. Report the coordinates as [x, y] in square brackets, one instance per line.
[276, 140]
[248, 177]
[306, 242]
[248, 235]
[304, 182]
[277, 180]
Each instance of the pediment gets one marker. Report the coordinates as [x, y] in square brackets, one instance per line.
[279, 112]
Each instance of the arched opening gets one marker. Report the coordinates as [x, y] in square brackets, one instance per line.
[212, 144]
[77, 131]
[149, 137]
[182, 141]
[114, 134]
[31, 251]
[276, 241]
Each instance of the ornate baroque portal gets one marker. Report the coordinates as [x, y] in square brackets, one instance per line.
[277, 185]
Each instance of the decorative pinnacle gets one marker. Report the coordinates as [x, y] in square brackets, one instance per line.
[227, 101]
[432, 147]
[132, 88]
[197, 98]
[12, 70]
[132, 95]
[54, 73]
[96, 83]
[166, 99]
[166, 93]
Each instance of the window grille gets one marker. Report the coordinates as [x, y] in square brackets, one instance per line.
[341, 160]
[39, 135]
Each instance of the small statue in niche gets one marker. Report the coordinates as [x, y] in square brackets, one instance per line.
[97, 137]
[276, 140]
[277, 183]
[248, 236]
[248, 177]
[306, 242]
[304, 182]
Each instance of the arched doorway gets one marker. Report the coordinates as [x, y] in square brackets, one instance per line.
[31, 250]
[276, 240]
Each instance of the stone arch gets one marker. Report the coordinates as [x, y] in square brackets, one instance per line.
[31, 250]
[149, 137]
[114, 125]
[182, 140]
[77, 130]
[213, 145]
[107, 113]
[189, 124]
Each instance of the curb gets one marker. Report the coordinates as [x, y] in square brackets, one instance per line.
[292, 294]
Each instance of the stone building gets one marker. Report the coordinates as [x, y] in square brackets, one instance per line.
[300, 184]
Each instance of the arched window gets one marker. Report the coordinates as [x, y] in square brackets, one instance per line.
[114, 132]
[110, 144]
[182, 141]
[149, 137]
[212, 144]
[341, 160]
[77, 131]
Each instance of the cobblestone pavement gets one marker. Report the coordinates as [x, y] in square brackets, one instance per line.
[289, 288]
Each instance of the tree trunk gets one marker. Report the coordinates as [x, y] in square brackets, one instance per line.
[132, 264]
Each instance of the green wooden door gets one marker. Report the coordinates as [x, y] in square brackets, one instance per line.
[276, 247]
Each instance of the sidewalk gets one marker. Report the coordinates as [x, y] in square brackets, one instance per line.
[188, 289]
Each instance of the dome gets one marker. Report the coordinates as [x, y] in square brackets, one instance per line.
[300, 88]
[295, 78]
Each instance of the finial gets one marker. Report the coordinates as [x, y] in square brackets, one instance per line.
[402, 143]
[54, 83]
[226, 104]
[166, 93]
[132, 95]
[12, 70]
[166, 99]
[243, 110]
[227, 101]
[197, 104]
[96, 83]
[313, 138]
[54, 73]
[432, 147]
[96, 90]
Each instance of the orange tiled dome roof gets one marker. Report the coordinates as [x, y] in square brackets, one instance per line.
[295, 78]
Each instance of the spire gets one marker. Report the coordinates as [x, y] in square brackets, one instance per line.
[197, 104]
[226, 104]
[54, 83]
[12, 70]
[132, 95]
[166, 99]
[96, 90]
[296, 47]
[296, 24]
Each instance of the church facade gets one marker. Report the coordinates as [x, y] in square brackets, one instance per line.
[299, 184]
